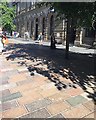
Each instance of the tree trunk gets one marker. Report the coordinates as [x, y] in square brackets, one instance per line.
[67, 39]
[73, 31]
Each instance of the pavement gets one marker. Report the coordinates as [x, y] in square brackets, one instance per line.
[76, 49]
[37, 82]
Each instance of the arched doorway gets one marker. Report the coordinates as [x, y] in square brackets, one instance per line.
[36, 29]
[51, 25]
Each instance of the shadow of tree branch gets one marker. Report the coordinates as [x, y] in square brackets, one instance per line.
[79, 69]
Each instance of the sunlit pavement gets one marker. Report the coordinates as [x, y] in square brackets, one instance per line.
[37, 82]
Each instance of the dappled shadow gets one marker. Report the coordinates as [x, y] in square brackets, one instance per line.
[77, 71]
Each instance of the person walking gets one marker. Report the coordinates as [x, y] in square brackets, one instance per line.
[53, 41]
[1, 45]
[26, 35]
[4, 40]
[39, 37]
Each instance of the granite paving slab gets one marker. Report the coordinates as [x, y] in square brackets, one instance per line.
[58, 116]
[73, 101]
[11, 97]
[42, 113]
[8, 105]
[38, 104]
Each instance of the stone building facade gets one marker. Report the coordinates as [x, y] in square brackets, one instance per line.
[36, 20]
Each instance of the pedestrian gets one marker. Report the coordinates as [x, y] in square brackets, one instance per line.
[39, 37]
[42, 37]
[53, 41]
[1, 45]
[4, 40]
[15, 34]
[26, 35]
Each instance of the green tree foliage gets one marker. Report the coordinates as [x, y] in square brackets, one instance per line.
[80, 11]
[7, 15]
[78, 14]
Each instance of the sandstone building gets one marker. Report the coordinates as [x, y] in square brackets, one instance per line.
[36, 20]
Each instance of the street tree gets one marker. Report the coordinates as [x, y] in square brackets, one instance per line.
[7, 15]
[77, 14]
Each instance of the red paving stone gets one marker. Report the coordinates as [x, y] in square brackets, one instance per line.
[13, 113]
[58, 107]
[74, 91]
[17, 78]
[59, 97]
[49, 92]
[28, 97]
[91, 115]
[76, 112]
[90, 105]
[26, 87]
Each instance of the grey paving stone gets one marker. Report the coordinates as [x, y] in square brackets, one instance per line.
[38, 104]
[42, 113]
[11, 97]
[76, 100]
[8, 105]
[58, 116]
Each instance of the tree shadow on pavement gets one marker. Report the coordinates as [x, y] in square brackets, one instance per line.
[77, 71]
